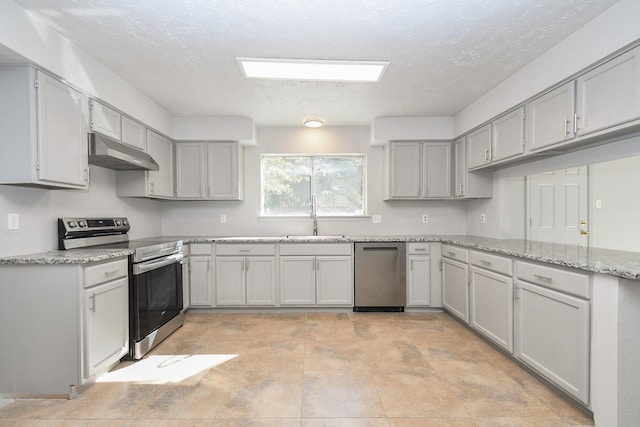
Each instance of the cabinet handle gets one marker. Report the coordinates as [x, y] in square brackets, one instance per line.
[490, 153]
[545, 278]
[151, 187]
[461, 192]
[411, 265]
[244, 251]
[451, 253]
[516, 293]
[420, 249]
[111, 273]
[92, 299]
[566, 126]
[575, 124]
[486, 155]
[485, 262]
[86, 175]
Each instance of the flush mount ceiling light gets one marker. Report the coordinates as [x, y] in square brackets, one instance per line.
[313, 69]
[313, 123]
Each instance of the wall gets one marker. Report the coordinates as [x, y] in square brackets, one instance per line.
[243, 218]
[26, 35]
[608, 32]
[40, 208]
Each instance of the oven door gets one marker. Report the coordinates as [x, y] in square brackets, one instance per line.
[156, 294]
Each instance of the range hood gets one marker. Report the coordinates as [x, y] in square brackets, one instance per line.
[112, 154]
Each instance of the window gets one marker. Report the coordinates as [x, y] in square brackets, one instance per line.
[289, 183]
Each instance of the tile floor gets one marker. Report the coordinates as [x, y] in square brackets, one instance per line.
[310, 370]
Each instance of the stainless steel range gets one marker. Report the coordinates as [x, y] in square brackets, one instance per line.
[155, 276]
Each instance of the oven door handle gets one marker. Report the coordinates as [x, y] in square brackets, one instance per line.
[144, 267]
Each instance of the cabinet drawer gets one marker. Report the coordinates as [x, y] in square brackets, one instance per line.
[566, 281]
[418, 248]
[101, 273]
[245, 250]
[316, 249]
[495, 263]
[455, 252]
[200, 249]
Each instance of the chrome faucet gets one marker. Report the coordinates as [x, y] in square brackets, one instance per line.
[314, 214]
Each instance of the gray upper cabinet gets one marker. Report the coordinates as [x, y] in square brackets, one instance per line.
[609, 94]
[550, 117]
[469, 184]
[507, 135]
[44, 126]
[153, 184]
[479, 147]
[209, 171]
[105, 120]
[418, 170]
[134, 133]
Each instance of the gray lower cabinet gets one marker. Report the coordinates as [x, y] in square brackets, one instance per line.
[491, 311]
[200, 275]
[423, 275]
[552, 321]
[74, 325]
[455, 281]
[245, 280]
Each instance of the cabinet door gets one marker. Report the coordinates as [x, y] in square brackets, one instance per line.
[455, 288]
[161, 150]
[460, 166]
[62, 118]
[418, 281]
[106, 325]
[190, 170]
[550, 117]
[334, 280]
[436, 169]
[186, 283]
[479, 146]
[200, 276]
[552, 336]
[260, 280]
[507, 135]
[134, 133]
[105, 120]
[491, 306]
[230, 280]
[405, 169]
[297, 280]
[223, 171]
[609, 94]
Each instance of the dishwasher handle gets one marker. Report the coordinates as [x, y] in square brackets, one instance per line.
[380, 248]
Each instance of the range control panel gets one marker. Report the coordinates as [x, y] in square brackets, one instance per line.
[96, 225]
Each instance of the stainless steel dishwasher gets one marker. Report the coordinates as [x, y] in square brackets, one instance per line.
[380, 272]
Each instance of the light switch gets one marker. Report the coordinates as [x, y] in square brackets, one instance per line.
[13, 222]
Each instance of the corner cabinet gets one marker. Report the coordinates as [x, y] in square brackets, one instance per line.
[201, 273]
[43, 125]
[418, 170]
[153, 184]
[499, 140]
[209, 171]
[316, 274]
[89, 303]
[469, 184]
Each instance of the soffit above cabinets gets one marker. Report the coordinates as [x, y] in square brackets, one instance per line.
[443, 54]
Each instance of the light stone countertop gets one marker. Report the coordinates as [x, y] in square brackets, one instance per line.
[616, 263]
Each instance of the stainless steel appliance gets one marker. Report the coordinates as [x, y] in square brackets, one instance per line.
[155, 276]
[380, 276]
[112, 154]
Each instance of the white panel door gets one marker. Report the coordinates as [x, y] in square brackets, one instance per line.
[550, 117]
[455, 288]
[609, 94]
[260, 280]
[491, 306]
[418, 281]
[557, 206]
[62, 118]
[552, 336]
[436, 169]
[190, 170]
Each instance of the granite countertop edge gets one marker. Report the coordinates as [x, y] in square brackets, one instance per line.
[612, 262]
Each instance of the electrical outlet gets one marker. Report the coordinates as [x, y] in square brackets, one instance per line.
[425, 218]
[13, 222]
[223, 219]
[598, 204]
[483, 218]
[377, 219]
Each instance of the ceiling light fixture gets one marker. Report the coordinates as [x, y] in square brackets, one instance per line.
[313, 69]
[313, 123]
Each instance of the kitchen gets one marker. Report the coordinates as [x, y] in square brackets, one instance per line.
[39, 208]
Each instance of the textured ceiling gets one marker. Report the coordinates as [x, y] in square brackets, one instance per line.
[443, 54]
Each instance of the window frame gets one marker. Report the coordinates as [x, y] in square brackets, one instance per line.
[363, 156]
